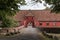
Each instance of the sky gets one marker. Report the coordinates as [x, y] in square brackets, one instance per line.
[31, 5]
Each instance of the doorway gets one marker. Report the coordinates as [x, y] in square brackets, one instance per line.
[29, 21]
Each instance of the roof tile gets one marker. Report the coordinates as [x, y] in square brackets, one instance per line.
[41, 15]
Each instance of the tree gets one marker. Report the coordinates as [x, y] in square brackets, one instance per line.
[8, 9]
[55, 4]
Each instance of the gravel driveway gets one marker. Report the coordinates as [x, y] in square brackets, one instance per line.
[26, 34]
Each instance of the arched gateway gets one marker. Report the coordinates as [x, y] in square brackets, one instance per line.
[29, 19]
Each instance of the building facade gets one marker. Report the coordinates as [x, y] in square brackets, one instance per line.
[38, 18]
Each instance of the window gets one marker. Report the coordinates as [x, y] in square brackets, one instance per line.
[40, 23]
[47, 24]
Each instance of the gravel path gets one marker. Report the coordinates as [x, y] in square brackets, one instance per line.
[26, 34]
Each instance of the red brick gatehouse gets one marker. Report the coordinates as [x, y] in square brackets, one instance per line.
[38, 18]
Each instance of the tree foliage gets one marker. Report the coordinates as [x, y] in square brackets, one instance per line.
[8, 9]
[55, 4]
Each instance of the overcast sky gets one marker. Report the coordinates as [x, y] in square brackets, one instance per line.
[33, 6]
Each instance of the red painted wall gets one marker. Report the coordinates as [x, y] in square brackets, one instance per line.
[47, 24]
[50, 25]
[57, 24]
[37, 23]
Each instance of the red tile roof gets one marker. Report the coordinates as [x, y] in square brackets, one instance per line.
[41, 15]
